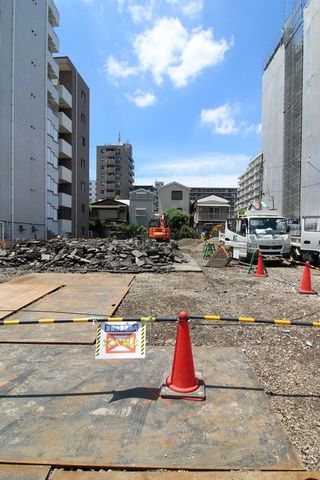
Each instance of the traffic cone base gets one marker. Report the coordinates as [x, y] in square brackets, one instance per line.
[182, 383]
[305, 286]
[182, 389]
[197, 395]
[260, 271]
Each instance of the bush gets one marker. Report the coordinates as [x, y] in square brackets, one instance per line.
[123, 231]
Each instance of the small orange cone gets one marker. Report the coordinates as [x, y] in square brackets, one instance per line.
[182, 383]
[260, 271]
[305, 286]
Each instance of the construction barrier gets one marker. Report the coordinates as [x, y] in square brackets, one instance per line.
[151, 319]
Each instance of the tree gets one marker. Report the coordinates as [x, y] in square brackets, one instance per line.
[178, 221]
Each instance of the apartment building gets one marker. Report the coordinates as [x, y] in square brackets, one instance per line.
[115, 171]
[92, 191]
[29, 123]
[73, 214]
[251, 184]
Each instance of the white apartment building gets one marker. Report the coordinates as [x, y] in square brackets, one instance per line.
[251, 183]
[29, 121]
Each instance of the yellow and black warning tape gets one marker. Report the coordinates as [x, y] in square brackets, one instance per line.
[278, 321]
[147, 319]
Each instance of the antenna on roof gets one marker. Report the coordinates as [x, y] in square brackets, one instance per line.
[119, 138]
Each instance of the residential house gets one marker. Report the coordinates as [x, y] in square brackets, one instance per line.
[175, 195]
[142, 207]
[209, 211]
[106, 213]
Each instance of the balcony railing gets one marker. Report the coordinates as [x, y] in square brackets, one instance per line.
[53, 14]
[65, 124]
[65, 175]
[53, 67]
[65, 97]
[65, 200]
[210, 217]
[53, 95]
[65, 149]
[53, 40]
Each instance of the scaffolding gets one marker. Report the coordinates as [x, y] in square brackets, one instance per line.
[293, 92]
[283, 137]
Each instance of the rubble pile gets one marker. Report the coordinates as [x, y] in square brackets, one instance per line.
[93, 255]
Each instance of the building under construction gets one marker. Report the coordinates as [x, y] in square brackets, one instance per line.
[287, 115]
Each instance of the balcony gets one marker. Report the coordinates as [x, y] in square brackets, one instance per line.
[53, 95]
[65, 124]
[53, 68]
[65, 226]
[65, 149]
[65, 175]
[53, 40]
[65, 200]
[53, 14]
[65, 97]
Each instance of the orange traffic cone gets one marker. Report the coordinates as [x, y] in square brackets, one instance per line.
[260, 271]
[305, 286]
[182, 383]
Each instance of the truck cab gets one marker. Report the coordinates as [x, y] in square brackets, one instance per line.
[260, 230]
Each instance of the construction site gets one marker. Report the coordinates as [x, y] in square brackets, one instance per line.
[222, 383]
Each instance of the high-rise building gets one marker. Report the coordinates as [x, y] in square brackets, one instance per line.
[29, 122]
[115, 171]
[92, 191]
[250, 183]
[290, 122]
[73, 214]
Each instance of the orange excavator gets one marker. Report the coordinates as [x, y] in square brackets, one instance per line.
[158, 229]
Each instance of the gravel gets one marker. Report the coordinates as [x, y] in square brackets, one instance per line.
[285, 359]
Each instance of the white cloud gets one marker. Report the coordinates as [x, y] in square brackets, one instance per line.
[142, 99]
[169, 49]
[220, 119]
[140, 13]
[211, 165]
[188, 7]
[201, 51]
[251, 127]
[214, 180]
[117, 69]
[161, 46]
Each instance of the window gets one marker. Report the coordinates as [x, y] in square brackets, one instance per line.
[101, 191]
[82, 163]
[83, 95]
[83, 208]
[176, 195]
[141, 212]
[82, 186]
[83, 118]
[83, 141]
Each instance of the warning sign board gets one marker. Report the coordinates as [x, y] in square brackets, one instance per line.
[121, 340]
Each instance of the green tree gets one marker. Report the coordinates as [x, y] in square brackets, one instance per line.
[178, 221]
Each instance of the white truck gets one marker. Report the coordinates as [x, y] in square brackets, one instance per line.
[265, 230]
[305, 239]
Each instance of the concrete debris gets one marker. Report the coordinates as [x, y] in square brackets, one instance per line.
[92, 255]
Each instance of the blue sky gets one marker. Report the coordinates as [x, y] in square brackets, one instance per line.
[179, 79]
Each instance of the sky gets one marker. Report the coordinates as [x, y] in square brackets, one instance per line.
[180, 80]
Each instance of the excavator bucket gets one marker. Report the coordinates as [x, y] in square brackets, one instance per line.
[220, 257]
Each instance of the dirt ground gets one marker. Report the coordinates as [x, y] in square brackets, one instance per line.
[285, 359]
